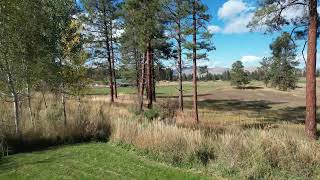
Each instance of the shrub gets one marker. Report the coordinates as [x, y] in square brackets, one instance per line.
[168, 109]
[151, 114]
[54, 115]
[134, 109]
[205, 153]
[90, 124]
[101, 131]
[85, 122]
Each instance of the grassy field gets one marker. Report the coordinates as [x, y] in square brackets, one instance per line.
[163, 88]
[89, 161]
[218, 99]
[252, 133]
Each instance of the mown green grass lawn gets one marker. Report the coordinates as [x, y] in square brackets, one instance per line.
[164, 90]
[89, 161]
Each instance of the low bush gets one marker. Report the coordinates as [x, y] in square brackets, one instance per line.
[134, 109]
[165, 110]
[151, 114]
[168, 109]
[205, 153]
[85, 122]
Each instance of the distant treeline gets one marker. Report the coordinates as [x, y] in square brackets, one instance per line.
[168, 74]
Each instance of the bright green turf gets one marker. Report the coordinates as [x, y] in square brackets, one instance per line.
[106, 90]
[171, 90]
[88, 161]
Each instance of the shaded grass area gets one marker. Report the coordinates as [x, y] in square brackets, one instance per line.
[89, 161]
[259, 109]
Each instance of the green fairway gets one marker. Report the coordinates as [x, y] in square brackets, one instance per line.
[89, 161]
[106, 90]
[164, 90]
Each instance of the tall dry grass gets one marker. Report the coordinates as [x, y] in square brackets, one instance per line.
[87, 120]
[250, 153]
[232, 149]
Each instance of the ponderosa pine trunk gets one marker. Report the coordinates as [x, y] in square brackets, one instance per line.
[142, 82]
[44, 99]
[149, 76]
[153, 79]
[63, 99]
[138, 65]
[107, 41]
[113, 62]
[16, 100]
[311, 97]
[195, 88]
[154, 97]
[180, 65]
[16, 109]
[30, 107]
[110, 74]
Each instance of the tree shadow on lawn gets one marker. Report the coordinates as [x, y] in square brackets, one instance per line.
[294, 115]
[259, 109]
[234, 105]
[164, 96]
[249, 88]
[8, 164]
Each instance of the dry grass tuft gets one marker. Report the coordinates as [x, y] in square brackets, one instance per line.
[168, 141]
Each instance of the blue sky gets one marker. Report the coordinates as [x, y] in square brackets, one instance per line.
[232, 38]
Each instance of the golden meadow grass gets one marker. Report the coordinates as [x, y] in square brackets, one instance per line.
[226, 143]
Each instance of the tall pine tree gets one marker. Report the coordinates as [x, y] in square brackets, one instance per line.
[272, 15]
[200, 45]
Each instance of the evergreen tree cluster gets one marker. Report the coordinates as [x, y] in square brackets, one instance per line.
[239, 77]
[280, 70]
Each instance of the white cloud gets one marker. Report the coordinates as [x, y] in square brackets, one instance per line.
[236, 15]
[231, 9]
[294, 12]
[214, 29]
[210, 63]
[250, 59]
[238, 24]
[302, 60]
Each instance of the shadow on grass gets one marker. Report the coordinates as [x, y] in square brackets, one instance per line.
[261, 125]
[294, 115]
[234, 105]
[250, 88]
[7, 164]
[258, 109]
[289, 114]
[164, 96]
